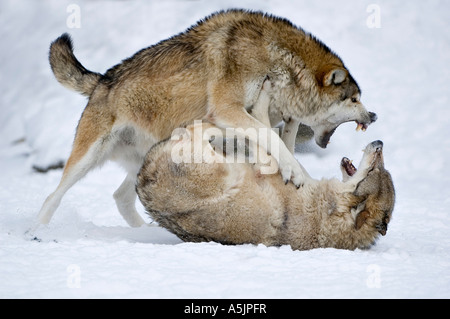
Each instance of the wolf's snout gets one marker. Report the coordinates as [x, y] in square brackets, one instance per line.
[377, 145]
[373, 117]
[376, 148]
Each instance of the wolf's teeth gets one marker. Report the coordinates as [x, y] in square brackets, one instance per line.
[364, 129]
[359, 126]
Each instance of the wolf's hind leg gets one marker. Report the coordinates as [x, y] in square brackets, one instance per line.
[125, 197]
[82, 159]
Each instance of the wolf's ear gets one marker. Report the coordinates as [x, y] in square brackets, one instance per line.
[334, 75]
[361, 219]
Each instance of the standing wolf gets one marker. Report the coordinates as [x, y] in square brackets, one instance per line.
[215, 71]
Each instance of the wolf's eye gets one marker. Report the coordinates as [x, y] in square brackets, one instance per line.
[354, 100]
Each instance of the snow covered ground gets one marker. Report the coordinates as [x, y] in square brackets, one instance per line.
[401, 62]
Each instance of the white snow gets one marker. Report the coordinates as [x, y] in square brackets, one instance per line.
[88, 250]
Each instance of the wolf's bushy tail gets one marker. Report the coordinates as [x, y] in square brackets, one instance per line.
[68, 70]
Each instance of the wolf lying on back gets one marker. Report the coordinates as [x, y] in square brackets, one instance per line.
[233, 203]
[213, 70]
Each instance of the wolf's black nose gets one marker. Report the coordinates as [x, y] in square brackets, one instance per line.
[373, 117]
[378, 145]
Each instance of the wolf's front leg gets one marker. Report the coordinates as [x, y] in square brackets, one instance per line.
[260, 109]
[227, 111]
[289, 134]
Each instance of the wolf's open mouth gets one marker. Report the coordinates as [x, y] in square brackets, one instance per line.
[348, 166]
[361, 126]
[324, 131]
[326, 138]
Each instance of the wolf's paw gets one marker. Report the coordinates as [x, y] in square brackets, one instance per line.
[293, 172]
[301, 180]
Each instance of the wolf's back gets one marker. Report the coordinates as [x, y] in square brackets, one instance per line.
[68, 70]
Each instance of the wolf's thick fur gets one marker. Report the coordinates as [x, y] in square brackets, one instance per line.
[235, 204]
[214, 70]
